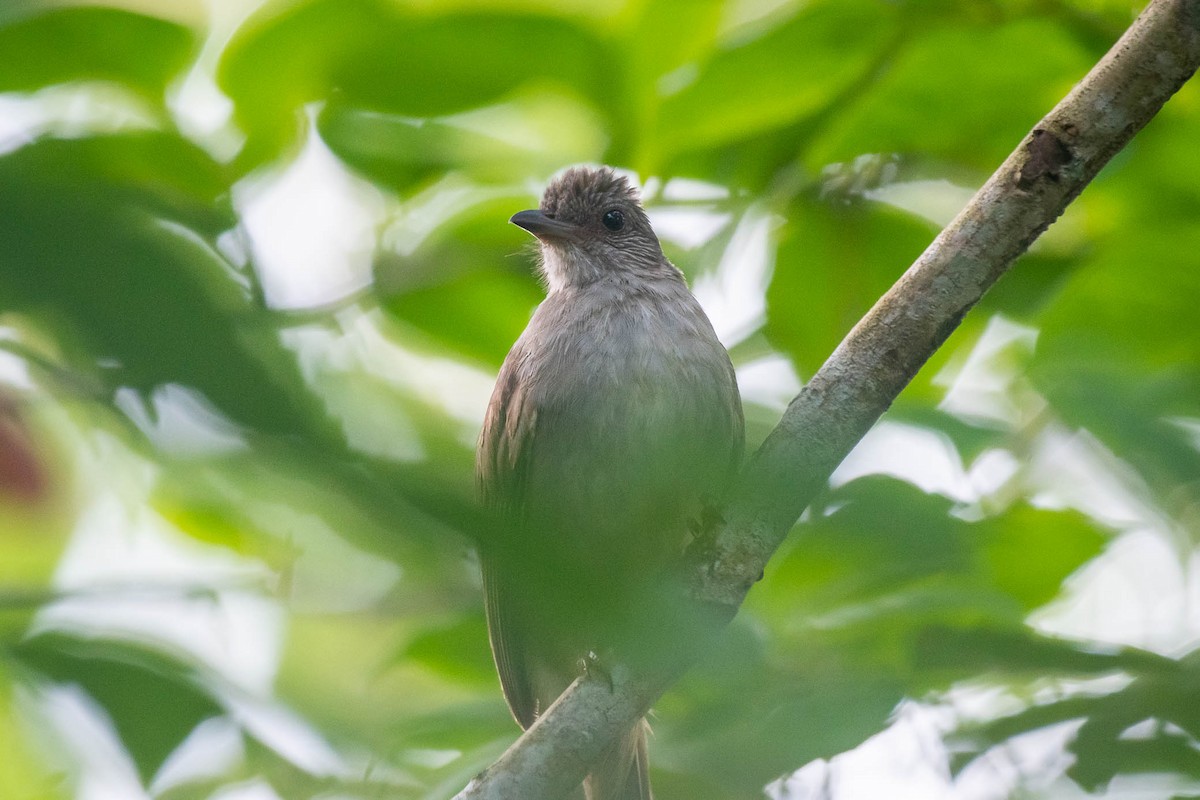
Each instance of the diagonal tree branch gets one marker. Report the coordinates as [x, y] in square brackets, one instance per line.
[1052, 165]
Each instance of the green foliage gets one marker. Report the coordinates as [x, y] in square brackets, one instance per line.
[846, 254]
[376, 56]
[296, 482]
[141, 53]
[152, 699]
[747, 89]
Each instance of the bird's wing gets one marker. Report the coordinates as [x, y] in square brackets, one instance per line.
[501, 471]
[509, 648]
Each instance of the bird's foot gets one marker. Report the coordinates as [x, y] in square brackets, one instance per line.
[704, 526]
[593, 666]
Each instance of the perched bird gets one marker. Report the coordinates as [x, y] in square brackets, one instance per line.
[615, 420]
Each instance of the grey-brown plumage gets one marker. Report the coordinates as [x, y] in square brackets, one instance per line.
[615, 418]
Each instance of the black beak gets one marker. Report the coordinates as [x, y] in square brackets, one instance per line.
[544, 227]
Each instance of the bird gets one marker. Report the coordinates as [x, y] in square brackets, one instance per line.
[615, 424]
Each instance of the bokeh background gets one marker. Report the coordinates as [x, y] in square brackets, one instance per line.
[256, 278]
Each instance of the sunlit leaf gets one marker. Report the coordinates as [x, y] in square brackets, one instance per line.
[455, 651]
[90, 43]
[534, 134]
[961, 93]
[1029, 552]
[471, 284]
[770, 81]
[371, 54]
[23, 776]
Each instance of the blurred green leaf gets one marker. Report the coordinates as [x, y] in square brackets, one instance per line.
[1033, 283]
[1119, 353]
[966, 93]
[1161, 753]
[160, 174]
[1121, 312]
[454, 651]
[1105, 746]
[1029, 551]
[373, 55]
[470, 284]
[834, 261]
[695, 26]
[1160, 696]
[478, 313]
[150, 301]
[1020, 650]
[746, 712]
[969, 439]
[772, 80]
[56, 45]
[460, 726]
[23, 777]
[883, 561]
[154, 700]
[401, 151]
[527, 134]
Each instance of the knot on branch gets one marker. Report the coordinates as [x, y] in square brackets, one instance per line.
[1045, 157]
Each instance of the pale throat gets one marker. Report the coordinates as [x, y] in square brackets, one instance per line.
[563, 266]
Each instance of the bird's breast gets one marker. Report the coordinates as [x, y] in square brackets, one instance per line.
[637, 412]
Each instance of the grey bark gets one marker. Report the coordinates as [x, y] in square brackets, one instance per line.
[1049, 168]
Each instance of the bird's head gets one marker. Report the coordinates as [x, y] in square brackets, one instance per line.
[591, 224]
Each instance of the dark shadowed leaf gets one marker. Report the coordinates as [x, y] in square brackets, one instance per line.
[147, 298]
[1017, 651]
[1149, 725]
[745, 713]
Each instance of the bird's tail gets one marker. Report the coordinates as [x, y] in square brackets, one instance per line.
[623, 772]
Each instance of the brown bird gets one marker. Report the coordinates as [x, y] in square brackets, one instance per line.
[615, 419]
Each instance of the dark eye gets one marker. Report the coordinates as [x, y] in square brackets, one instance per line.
[613, 219]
